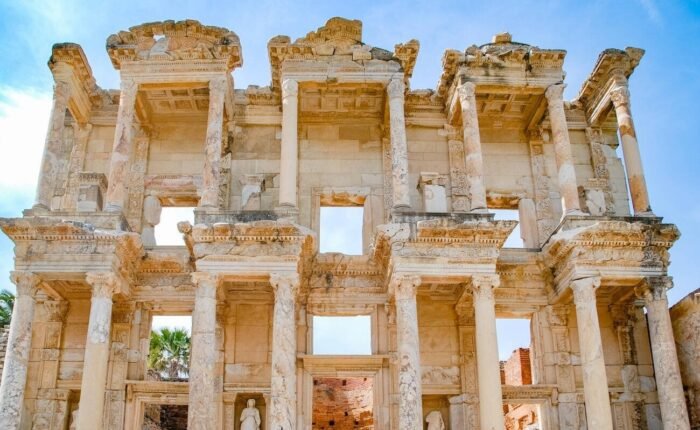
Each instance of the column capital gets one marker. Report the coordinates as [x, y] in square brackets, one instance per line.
[620, 94]
[555, 93]
[584, 289]
[558, 315]
[290, 88]
[395, 88]
[453, 133]
[104, 284]
[654, 288]
[623, 314]
[56, 310]
[205, 282]
[404, 286]
[26, 283]
[217, 84]
[482, 286]
[128, 86]
[284, 280]
[466, 90]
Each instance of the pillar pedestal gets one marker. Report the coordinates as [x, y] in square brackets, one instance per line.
[674, 413]
[283, 387]
[488, 364]
[14, 374]
[595, 381]
[204, 400]
[96, 361]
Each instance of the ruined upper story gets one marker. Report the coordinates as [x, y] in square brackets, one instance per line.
[327, 131]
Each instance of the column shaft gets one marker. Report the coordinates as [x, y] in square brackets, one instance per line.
[212, 149]
[96, 361]
[488, 365]
[410, 390]
[562, 149]
[14, 374]
[283, 386]
[204, 405]
[472, 147]
[52, 147]
[121, 149]
[630, 149]
[399, 149]
[595, 381]
[289, 153]
[674, 413]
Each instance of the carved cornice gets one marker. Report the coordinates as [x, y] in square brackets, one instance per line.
[654, 288]
[187, 40]
[72, 54]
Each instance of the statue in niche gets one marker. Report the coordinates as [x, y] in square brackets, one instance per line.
[434, 420]
[74, 419]
[250, 417]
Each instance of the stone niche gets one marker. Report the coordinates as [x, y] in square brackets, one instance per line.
[242, 402]
[343, 404]
[436, 403]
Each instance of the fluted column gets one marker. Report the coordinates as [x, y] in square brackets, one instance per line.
[50, 159]
[289, 154]
[595, 381]
[410, 390]
[212, 149]
[204, 403]
[620, 96]
[562, 149]
[399, 149]
[121, 149]
[674, 413]
[488, 365]
[472, 147]
[96, 361]
[14, 374]
[283, 387]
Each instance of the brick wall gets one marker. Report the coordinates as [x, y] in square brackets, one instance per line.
[517, 370]
[343, 404]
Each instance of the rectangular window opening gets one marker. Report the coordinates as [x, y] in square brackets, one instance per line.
[169, 348]
[514, 351]
[514, 240]
[341, 229]
[166, 232]
[342, 335]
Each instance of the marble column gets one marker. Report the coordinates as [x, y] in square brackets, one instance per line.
[121, 149]
[96, 361]
[410, 390]
[562, 150]
[212, 149]
[399, 150]
[14, 374]
[620, 96]
[289, 154]
[488, 364]
[50, 160]
[204, 401]
[283, 387]
[595, 381]
[674, 413]
[472, 147]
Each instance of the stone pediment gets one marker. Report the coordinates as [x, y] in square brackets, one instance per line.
[174, 41]
[502, 58]
[338, 41]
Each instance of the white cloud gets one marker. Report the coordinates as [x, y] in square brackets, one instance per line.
[651, 10]
[24, 116]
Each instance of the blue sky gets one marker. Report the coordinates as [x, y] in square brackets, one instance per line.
[664, 88]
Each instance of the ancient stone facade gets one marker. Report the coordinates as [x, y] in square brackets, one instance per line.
[340, 125]
[685, 316]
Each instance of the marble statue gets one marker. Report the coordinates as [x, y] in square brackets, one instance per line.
[250, 417]
[434, 420]
[74, 419]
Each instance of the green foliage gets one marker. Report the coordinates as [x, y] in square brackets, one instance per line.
[7, 303]
[169, 353]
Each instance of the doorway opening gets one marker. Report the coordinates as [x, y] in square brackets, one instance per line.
[165, 417]
[343, 404]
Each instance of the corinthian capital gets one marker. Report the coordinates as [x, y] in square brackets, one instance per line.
[466, 90]
[555, 93]
[483, 285]
[56, 310]
[217, 85]
[285, 284]
[104, 284]
[654, 288]
[620, 94]
[26, 283]
[584, 289]
[405, 286]
[206, 283]
[290, 88]
[395, 88]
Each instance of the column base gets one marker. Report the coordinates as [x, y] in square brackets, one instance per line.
[645, 214]
[114, 208]
[289, 212]
[40, 208]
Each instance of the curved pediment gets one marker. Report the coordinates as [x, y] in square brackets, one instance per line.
[172, 41]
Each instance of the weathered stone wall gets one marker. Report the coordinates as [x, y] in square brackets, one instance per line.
[685, 316]
[343, 404]
[517, 370]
